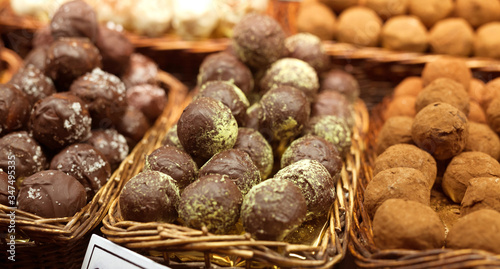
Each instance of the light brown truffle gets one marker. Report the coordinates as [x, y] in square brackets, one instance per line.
[444, 90]
[452, 36]
[478, 230]
[430, 11]
[404, 33]
[396, 183]
[400, 224]
[396, 130]
[340, 5]
[478, 12]
[476, 113]
[481, 193]
[388, 8]
[490, 91]
[400, 106]
[410, 156]
[477, 91]
[440, 129]
[408, 86]
[360, 26]
[453, 68]
[317, 19]
[483, 139]
[463, 168]
[487, 40]
[493, 114]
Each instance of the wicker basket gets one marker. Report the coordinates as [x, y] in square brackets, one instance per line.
[62, 242]
[362, 246]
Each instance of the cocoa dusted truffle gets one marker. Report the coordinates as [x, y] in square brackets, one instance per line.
[273, 209]
[430, 11]
[401, 224]
[387, 9]
[150, 99]
[340, 5]
[111, 144]
[490, 92]
[396, 183]
[308, 48]
[444, 90]
[360, 26]
[104, 95]
[69, 58]
[33, 83]
[316, 18]
[332, 128]
[493, 114]
[141, 70]
[75, 19]
[440, 129]
[60, 120]
[226, 67]
[115, 49]
[477, 230]
[404, 33]
[14, 109]
[478, 92]
[171, 138]
[478, 12]
[133, 125]
[258, 40]
[342, 82]
[403, 105]
[212, 201]
[408, 86]
[314, 181]
[333, 103]
[463, 168]
[86, 164]
[453, 68]
[481, 193]
[476, 113]
[175, 163]
[7, 190]
[483, 139]
[487, 41]
[314, 148]
[396, 130]
[26, 153]
[206, 127]
[256, 146]
[149, 196]
[51, 194]
[453, 36]
[230, 95]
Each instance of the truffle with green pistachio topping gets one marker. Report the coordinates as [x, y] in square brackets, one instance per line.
[332, 128]
[257, 147]
[308, 48]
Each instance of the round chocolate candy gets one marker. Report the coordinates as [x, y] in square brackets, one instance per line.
[141, 70]
[340, 81]
[133, 125]
[14, 109]
[111, 144]
[115, 49]
[332, 128]
[150, 99]
[33, 83]
[74, 19]
[252, 142]
[308, 48]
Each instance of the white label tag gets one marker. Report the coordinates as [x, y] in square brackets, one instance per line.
[104, 254]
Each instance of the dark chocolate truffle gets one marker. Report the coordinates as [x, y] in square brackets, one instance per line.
[332, 128]
[51, 194]
[333, 103]
[133, 125]
[258, 40]
[141, 70]
[104, 95]
[308, 48]
[14, 109]
[8, 189]
[237, 165]
[37, 57]
[396, 130]
[481, 193]
[42, 37]
[75, 19]
[483, 139]
[226, 67]
[33, 83]
[171, 138]
[453, 68]
[340, 81]
[212, 201]
[60, 120]
[150, 99]
[175, 163]
[149, 196]
[314, 181]
[404, 33]
[86, 164]
[444, 90]
[453, 36]
[273, 209]
[252, 142]
[206, 127]
[111, 144]
[360, 26]
[115, 49]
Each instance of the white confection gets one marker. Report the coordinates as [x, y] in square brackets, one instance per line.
[151, 17]
[36, 8]
[194, 19]
[231, 11]
[116, 11]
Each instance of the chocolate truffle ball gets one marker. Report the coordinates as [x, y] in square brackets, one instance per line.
[487, 41]
[453, 68]
[256, 146]
[285, 113]
[86, 164]
[476, 113]
[408, 86]
[104, 95]
[42, 37]
[477, 91]
[340, 5]
[226, 67]
[396, 130]
[314, 148]
[273, 209]
[115, 49]
[14, 109]
[315, 183]
[37, 57]
[255, 115]
[212, 201]
[133, 125]
[400, 224]
[342, 82]
[478, 230]
[69, 58]
[490, 92]
[453, 36]
[24, 151]
[396, 183]
[481, 193]
[33, 83]
[308, 48]
[230, 95]
[149, 196]
[403, 105]
[51, 194]
[360, 26]
[404, 33]
[333, 129]
[478, 12]
[493, 114]
[430, 11]
[75, 19]
[206, 127]
[141, 70]
[258, 40]
[7, 190]
[483, 139]
[410, 156]
[60, 120]
[291, 72]
[316, 18]
[171, 138]
[463, 168]
[387, 9]
[150, 99]
[333, 103]
[111, 144]
[237, 165]
[175, 163]
[440, 129]
[445, 90]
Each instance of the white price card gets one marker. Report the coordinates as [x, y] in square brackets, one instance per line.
[104, 254]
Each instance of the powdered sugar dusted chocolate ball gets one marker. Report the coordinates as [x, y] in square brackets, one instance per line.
[75, 19]
[150, 99]
[252, 142]
[308, 48]
[33, 83]
[111, 144]
[14, 109]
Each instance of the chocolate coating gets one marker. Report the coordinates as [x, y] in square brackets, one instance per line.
[51, 194]
[37, 57]
[171, 138]
[33, 83]
[74, 19]
[42, 37]
[255, 115]
[111, 144]
[86, 164]
[333, 103]
[133, 125]
[149, 196]
[273, 209]
[150, 99]
[7, 190]
[332, 128]
[340, 81]
[212, 201]
[256, 146]
[453, 68]
[14, 109]
[481, 193]
[308, 48]
[141, 70]
[115, 49]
